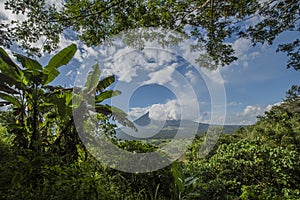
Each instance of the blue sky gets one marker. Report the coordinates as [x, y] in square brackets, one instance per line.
[169, 86]
[257, 81]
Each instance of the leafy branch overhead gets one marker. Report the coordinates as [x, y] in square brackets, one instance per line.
[211, 23]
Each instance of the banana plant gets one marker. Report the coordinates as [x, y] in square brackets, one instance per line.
[98, 89]
[43, 112]
[24, 88]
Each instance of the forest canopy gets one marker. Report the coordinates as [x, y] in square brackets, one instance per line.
[211, 23]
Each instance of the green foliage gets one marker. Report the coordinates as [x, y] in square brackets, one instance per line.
[281, 125]
[41, 115]
[246, 169]
[42, 156]
[25, 89]
[210, 23]
[48, 177]
[257, 162]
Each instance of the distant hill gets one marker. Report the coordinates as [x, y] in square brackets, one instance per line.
[168, 129]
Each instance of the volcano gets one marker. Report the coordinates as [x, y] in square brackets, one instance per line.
[169, 128]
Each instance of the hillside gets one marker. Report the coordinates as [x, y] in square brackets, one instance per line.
[167, 129]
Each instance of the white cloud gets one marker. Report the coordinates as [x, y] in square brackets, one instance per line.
[249, 114]
[192, 77]
[59, 4]
[175, 111]
[245, 117]
[268, 108]
[252, 111]
[242, 49]
[7, 15]
[185, 107]
[137, 112]
[233, 103]
[161, 112]
[127, 63]
[162, 76]
[213, 77]
[157, 57]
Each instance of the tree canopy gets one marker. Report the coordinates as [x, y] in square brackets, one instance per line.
[211, 23]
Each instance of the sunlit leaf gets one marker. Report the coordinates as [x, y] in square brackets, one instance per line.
[105, 83]
[60, 59]
[92, 80]
[32, 65]
[7, 66]
[9, 98]
[106, 95]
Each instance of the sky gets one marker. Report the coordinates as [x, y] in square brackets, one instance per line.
[167, 83]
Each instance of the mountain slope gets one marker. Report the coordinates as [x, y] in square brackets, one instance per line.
[168, 129]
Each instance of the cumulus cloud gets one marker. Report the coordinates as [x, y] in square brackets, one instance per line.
[249, 114]
[252, 111]
[162, 76]
[191, 76]
[245, 117]
[161, 112]
[59, 4]
[242, 49]
[157, 57]
[128, 63]
[213, 76]
[269, 107]
[185, 107]
[137, 112]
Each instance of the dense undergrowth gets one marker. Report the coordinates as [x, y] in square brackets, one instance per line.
[257, 162]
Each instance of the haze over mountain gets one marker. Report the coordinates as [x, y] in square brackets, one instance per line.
[154, 129]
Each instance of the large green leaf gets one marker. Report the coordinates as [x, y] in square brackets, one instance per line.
[7, 66]
[30, 64]
[10, 98]
[4, 79]
[106, 95]
[60, 59]
[121, 117]
[8, 80]
[104, 83]
[116, 114]
[69, 98]
[5, 57]
[5, 88]
[33, 70]
[92, 80]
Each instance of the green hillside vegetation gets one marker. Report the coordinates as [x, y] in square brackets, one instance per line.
[43, 159]
[259, 162]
